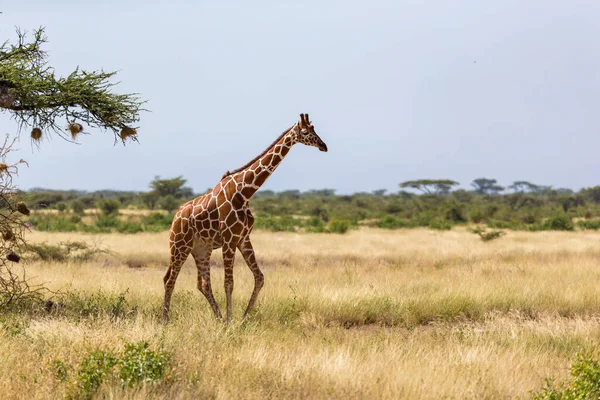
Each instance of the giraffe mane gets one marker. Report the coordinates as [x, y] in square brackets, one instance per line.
[249, 163]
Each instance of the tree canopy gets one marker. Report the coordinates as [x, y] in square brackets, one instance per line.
[486, 186]
[429, 186]
[36, 98]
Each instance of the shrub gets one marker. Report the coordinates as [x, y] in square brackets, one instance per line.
[107, 221]
[130, 227]
[314, 225]
[156, 222]
[560, 222]
[48, 252]
[61, 207]
[589, 224]
[338, 226]
[140, 364]
[439, 224]
[109, 206]
[488, 236]
[92, 371]
[101, 303]
[78, 207]
[136, 364]
[53, 223]
[390, 222]
[275, 224]
[454, 213]
[584, 382]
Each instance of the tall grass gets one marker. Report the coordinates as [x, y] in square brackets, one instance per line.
[370, 314]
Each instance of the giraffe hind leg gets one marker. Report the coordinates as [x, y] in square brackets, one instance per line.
[178, 257]
[201, 255]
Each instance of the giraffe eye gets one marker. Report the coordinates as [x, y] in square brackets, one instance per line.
[305, 132]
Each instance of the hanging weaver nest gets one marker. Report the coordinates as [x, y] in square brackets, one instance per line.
[75, 129]
[128, 132]
[22, 208]
[36, 133]
[7, 234]
[3, 167]
[12, 256]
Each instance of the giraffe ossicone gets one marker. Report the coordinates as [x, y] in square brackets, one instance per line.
[221, 219]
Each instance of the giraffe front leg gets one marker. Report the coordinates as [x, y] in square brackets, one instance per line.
[228, 259]
[178, 256]
[248, 253]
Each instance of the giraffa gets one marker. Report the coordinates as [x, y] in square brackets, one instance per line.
[221, 219]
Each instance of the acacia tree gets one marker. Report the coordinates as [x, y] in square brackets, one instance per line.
[486, 186]
[429, 186]
[37, 99]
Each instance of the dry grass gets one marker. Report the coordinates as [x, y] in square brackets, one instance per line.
[370, 314]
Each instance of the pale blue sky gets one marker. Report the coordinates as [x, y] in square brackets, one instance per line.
[398, 90]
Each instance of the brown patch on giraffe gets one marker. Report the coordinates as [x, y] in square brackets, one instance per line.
[261, 178]
[247, 192]
[238, 200]
[249, 176]
[266, 160]
[231, 219]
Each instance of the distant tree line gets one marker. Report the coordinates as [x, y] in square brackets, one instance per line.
[433, 203]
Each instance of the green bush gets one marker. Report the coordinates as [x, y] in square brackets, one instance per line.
[130, 227]
[439, 224]
[277, 224]
[314, 225]
[136, 364]
[584, 382]
[139, 364]
[78, 207]
[93, 370]
[560, 222]
[107, 221]
[109, 206]
[338, 226]
[156, 222]
[53, 223]
[101, 303]
[589, 224]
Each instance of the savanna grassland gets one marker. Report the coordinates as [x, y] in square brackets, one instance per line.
[369, 314]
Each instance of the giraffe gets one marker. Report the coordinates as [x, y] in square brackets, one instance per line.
[221, 219]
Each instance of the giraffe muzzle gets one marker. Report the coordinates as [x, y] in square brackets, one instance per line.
[322, 146]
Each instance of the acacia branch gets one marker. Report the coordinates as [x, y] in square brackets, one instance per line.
[36, 97]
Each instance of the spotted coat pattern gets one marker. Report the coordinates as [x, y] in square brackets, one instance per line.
[221, 219]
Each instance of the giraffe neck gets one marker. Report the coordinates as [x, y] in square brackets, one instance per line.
[255, 175]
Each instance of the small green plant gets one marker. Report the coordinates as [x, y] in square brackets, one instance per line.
[488, 236]
[65, 251]
[59, 369]
[100, 303]
[93, 370]
[138, 363]
[584, 382]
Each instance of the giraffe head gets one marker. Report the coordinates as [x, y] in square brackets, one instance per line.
[304, 132]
